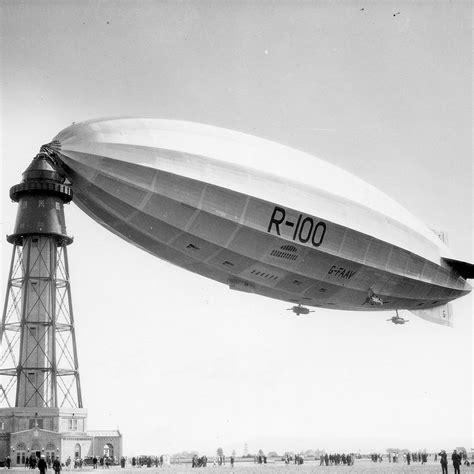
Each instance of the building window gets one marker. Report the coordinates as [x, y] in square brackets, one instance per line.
[36, 422]
[2, 425]
[32, 378]
[72, 424]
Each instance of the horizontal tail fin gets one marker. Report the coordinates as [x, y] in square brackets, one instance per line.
[466, 270]
[439, 315]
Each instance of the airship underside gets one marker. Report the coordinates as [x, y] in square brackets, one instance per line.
[167, 188]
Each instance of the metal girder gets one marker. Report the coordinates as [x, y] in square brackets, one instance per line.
[38, 353]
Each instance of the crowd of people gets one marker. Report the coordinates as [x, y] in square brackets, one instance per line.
[325, 459]
[408, 457]
[337, 459]
[33, 462]
[199, 461]
[288, 458]
[148, 461]
[457, 459]
[422, 457]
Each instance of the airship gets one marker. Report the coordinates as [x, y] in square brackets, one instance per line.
[257, 216]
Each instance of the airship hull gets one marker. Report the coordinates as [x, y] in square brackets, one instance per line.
[253, 230]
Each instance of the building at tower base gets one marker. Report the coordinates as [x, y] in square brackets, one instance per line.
[53, 433]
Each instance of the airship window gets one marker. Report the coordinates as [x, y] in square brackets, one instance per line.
[290, 248]
[420, 304]
[228, 264]
[297, 282]
[434, 302]
[192, 247]
[34, 242]
[322, 290]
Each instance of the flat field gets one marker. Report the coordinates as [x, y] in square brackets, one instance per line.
[360, 467]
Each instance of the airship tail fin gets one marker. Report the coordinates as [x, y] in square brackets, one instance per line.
[439, 315]
[466, 270]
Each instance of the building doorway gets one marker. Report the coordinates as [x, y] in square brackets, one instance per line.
[50, 452]
[20, 454]
[77, 451]
[109, 450]
[36, 450]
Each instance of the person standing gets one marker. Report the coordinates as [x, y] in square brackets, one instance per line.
[443, 459]
[57, 465]
[42, 466]
[456, 458]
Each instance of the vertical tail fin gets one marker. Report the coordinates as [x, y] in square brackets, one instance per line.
[465, 269]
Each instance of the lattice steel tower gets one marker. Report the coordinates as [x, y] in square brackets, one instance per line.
[38, 355]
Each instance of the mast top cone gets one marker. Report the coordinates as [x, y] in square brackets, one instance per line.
[41, 194]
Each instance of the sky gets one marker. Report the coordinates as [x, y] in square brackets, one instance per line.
[179, 362]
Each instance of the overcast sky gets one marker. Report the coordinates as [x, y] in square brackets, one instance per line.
[179, 362]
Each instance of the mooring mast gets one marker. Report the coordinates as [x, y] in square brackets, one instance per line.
[41, 411]
[38, 356]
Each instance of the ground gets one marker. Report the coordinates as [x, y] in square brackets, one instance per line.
[360, 467]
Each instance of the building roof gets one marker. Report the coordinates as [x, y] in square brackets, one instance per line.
[104, 433]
